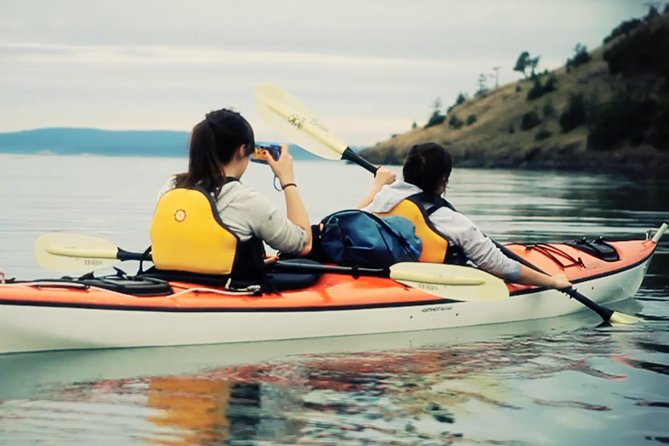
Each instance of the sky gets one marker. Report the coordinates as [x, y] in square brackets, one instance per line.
[368, 68]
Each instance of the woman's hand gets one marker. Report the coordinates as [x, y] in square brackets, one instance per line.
[283, 167]
[295, 210]
[271, 259]
[384, 176]
[561, 282]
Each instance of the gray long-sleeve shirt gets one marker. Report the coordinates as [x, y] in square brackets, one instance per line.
[457, 228]
[247, 212]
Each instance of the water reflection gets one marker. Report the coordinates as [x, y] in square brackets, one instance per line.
[557, 381]
[405, 396]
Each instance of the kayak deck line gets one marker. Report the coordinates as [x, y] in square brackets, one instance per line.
[228, 309]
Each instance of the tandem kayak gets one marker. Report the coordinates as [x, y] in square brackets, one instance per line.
[118, 311]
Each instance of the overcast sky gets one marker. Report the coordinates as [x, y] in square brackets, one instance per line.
[369, 68]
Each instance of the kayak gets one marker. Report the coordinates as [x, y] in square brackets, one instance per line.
[118, 311]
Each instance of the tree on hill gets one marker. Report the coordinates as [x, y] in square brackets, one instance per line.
[653, 11]
[534, 62]
[581, 56]
[437, 116]
[462, 98]
[526, 61]
[483, 84]
[538, 89]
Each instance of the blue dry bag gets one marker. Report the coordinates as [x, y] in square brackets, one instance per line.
[359, 238]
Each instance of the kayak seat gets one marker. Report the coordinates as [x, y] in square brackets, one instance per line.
[596, 248]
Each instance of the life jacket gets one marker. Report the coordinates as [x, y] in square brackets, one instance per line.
[417, 209]
[188, 235]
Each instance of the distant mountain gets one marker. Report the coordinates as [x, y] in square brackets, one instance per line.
[74, 141]
[70, 141]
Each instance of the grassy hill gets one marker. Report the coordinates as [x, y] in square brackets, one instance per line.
[603, 110]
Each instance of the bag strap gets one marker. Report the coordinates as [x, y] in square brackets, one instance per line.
[408, 246]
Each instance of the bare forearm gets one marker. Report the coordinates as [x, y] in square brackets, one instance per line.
[297, 213]
[531, 277]
[382, 177]
[370, 196]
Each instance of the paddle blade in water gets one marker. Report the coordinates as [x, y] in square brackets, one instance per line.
[74, 253]
[297, 122]
[451, 281]
[624, 319]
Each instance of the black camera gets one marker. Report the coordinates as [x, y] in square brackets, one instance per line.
[258, 155]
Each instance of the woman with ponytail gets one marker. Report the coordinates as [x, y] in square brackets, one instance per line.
[207, 221]
[426, 170]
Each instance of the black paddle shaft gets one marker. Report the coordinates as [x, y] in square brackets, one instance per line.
[303, 267]
[350, 155]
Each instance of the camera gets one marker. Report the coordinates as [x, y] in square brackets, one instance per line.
[272, 149]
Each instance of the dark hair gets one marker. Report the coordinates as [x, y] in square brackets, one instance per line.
[213, 142]
[426, 165]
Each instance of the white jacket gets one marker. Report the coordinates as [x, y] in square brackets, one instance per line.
[457, 228]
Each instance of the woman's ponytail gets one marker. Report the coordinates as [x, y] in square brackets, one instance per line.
[213, 142]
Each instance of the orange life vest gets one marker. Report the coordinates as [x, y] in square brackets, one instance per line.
[417, 209]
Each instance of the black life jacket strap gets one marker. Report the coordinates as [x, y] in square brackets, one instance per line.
[428, 204]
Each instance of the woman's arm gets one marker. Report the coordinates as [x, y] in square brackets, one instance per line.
[295, 209]
[482, 251]
[297, 213]
[382, 177]
[531, 277]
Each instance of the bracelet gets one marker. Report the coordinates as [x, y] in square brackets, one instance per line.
[284, 186]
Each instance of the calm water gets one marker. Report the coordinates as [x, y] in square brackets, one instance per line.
[552, 382]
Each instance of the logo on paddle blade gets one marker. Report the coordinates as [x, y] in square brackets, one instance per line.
[297, 121]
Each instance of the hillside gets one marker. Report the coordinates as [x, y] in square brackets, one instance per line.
[77, 141]
[608, 111]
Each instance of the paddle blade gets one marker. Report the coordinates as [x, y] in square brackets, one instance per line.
[74, 253]
[297, 122]
[624, 319]
[451, 281]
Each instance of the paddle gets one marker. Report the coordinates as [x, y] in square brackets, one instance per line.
[71, 253]
[299, 124]
[294, 119]
[75, 253]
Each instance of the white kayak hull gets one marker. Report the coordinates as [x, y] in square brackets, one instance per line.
[25, 327]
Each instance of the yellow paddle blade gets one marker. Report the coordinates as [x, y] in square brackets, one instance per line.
[451, 281]
[624, 319]
[297, 122]
[74, 253]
